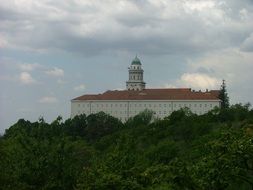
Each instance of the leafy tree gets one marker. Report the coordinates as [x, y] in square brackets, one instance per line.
[143, 118]
[101, 124]
[223, 95]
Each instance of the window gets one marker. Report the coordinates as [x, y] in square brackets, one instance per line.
[200, 105]
[164, 105]
[78, 105]
[205, 105]
[160, 105]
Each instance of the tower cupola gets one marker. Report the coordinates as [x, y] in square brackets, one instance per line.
[136, 61]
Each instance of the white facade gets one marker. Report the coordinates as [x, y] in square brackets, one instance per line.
[126, 109]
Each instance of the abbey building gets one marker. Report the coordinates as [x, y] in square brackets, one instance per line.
[124, 104]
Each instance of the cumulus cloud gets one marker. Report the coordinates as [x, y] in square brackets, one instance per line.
[48, 99]
[26, 78]
[80, 87]
[199, 81]
[148, 26]
[55, 72]
[29, 66]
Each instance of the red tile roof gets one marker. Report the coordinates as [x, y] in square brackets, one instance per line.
[153, 94]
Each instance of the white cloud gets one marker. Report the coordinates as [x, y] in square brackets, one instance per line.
[26, 78]
[48, 99]
[80, 87]
[199, 81]
[169, 86]
[3, 42]
[55, 72]
[199, 5]
[148, 25]
[29, 67]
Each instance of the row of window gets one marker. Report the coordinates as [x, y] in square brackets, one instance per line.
[137, 67]
[159, 113]
[125, 112]
[137, 77]
[148, 105]
[136, 112]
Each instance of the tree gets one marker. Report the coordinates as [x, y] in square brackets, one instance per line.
[223, 95]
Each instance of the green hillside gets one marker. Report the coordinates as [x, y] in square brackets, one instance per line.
[183, 151]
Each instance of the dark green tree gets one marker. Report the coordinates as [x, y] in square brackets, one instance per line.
[223, 96]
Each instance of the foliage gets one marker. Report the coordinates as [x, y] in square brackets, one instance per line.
[224, 95]
[182, 151]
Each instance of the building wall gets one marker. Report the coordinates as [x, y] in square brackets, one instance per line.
[126, 109]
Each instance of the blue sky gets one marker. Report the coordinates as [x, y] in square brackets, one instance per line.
[52, 51]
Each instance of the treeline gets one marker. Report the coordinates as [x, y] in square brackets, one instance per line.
[182, 151]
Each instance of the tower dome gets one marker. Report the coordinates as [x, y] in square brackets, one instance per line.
[136, 61]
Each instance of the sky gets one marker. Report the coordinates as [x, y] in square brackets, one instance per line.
[52, 51]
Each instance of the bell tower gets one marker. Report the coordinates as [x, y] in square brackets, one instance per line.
[135, 81]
